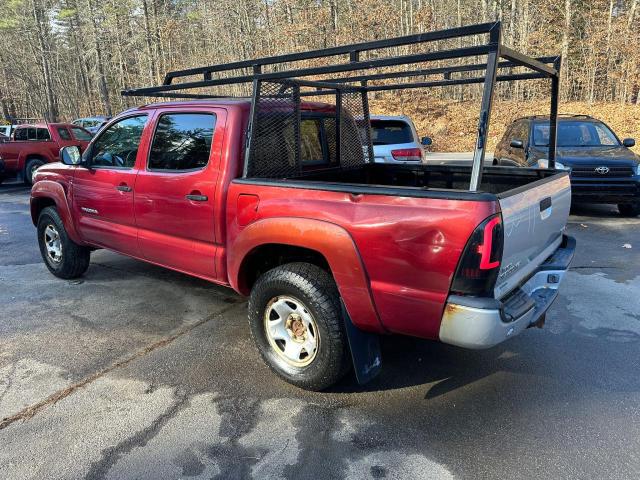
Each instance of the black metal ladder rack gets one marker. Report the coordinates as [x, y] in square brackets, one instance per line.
[498, 58]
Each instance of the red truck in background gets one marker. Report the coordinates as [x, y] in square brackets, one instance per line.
[34, 145]
[279, 199]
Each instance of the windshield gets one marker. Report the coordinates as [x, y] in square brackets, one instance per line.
[575, 134]
[389, 132]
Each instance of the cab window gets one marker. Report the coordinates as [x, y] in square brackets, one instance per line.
[311, 142]
[182, 141]
[20, 134]
[81, 134]
[42, 134]
[64, 133]
[117, 146]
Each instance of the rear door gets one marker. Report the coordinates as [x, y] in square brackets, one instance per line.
[534, 217]
[174, 200]
[103, 192]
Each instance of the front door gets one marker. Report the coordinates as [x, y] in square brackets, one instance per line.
[174, 200]
[103, 191]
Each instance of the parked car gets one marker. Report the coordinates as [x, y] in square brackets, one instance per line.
[603, 169]
[4, 138]
[92, 124]
[7, 130]
[34, 145]
[395, 139]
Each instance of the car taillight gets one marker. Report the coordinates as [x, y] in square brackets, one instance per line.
[407, 154]
[479, 263]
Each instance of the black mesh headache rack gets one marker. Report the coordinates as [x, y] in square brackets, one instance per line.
[280, 102]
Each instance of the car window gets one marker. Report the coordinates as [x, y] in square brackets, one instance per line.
[64, 133]
[311, 142]
[182, 141]
[21, 134]
[576, 134]
[117, 146]
[521, 132]
[81, 134]
[389, 132]
[605, 136]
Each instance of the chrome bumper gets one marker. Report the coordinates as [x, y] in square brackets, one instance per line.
[473, 322]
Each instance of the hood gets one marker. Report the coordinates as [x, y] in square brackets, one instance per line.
[51, 171]
[617, 155]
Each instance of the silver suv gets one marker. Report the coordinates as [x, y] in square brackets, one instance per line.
[395, 140]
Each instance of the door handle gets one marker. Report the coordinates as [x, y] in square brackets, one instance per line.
[545, 203]
[197, 197]
[123, 188]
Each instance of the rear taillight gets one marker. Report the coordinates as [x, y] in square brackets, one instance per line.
[479, 264]
[407, 154]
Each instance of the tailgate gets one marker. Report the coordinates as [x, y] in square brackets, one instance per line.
[534, 217]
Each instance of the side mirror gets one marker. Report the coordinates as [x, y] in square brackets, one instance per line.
[70, 155]
[629, 142]
[516, 144]
[426, 141]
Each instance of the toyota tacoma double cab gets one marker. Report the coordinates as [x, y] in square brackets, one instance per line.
[34, 145]
[278, 197]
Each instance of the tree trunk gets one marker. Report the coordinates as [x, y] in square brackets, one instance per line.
[565, 48]
[39, 17]
[102, 80]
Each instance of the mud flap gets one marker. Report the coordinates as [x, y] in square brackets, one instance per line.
[365, 350]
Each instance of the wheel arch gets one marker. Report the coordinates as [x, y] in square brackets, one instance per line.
[27, 157]
[272, 242]
[46, 193]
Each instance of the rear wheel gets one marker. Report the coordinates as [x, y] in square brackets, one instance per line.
[30, 169]
[62, 256]
[296, 323]
[629, 209]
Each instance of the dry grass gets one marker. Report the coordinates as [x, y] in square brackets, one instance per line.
[452, 125]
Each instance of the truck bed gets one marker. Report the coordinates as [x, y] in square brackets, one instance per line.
[501, 181]
[534, 203]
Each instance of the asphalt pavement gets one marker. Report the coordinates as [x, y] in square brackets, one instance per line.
[139, 372]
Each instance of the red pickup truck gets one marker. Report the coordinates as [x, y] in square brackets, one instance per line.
[34, 145]
[276, 198]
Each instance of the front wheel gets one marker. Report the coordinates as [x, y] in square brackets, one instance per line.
[629, 209]
[30, 169]
[296, 323]
[62, 256]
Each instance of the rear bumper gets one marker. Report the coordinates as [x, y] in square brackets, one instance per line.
[476, 323]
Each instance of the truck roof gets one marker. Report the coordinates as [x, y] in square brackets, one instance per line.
[43, 125]
[402, 118]
[561, 117]
[224, 102]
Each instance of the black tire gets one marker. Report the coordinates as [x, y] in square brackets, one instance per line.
[629, 209]
[316, 292]
[73, 260]
[30, 168]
